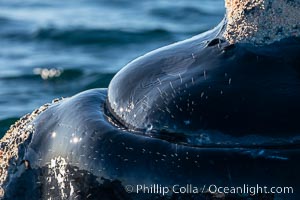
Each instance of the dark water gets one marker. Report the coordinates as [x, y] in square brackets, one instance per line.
[84, 42]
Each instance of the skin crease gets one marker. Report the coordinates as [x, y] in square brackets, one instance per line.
[202, 111]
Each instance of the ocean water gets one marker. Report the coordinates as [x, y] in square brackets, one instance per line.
[55, 48]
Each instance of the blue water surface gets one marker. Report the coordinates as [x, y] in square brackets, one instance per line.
[55, 48]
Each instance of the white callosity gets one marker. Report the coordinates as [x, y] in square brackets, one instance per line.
[58, 170]
[261, 21]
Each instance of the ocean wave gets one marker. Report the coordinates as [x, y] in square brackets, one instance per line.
[3, 20]
[38, 74]
[83, 36]
[182, 14]
[92, 36]
[84, 80]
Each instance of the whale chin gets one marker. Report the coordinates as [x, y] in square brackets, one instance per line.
[205, 90]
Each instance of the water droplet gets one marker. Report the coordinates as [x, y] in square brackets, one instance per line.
[53, 135]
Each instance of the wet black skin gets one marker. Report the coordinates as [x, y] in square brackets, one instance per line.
[238, 89]
[243, 129]
[122, 157]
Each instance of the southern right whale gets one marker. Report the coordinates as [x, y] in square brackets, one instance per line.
[219, 109]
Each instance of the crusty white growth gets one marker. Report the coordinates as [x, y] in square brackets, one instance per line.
[261, 21]
[58, 170]
[15, 136]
